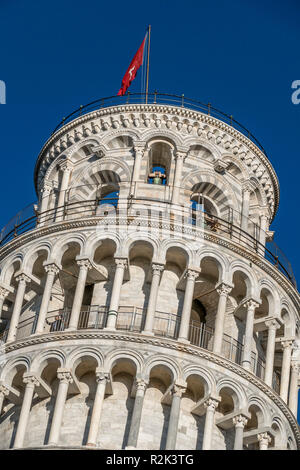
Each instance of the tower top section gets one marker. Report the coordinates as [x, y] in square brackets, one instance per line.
[188, 126]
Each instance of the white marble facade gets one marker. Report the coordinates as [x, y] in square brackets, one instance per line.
[159, 320]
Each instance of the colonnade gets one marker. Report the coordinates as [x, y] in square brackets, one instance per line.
[191, 274]
[176, 391]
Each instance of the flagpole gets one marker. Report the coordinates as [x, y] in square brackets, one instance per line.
[148, 56]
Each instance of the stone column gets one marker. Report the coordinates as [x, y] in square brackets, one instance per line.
[139, 148]
[223, 291]
[3, 294]
[211, 404]
[22, 279]
[101, 379]
[251, 306]
[264, 440]
[65, 378]
[44, 203]
[285, 368]
[31, 381]
[121, 264]
[52, 270]
[180, 156]
[3, 393]
[84, 266]
[263, 227]
[272, 327]
[177, 393]
[245, 210]
[239, 422]
[156, 273]
[141, 386]
[293, 395]
[66, 167]
[191, 276]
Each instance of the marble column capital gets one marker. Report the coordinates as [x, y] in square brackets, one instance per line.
[141, 384]
[264, 438]
[84, 263]
[66, 166]
[121, 262]
[273, 324]
[64, 376]
[102, 377]
[224, 288]
[22, 277]
[287, 343]
[47, 188]
[139, 148]
[240, 421]
[251, 304]
[211, 403]
[178, 390]
[51, 268]
[191, 274]
[157, 268]
[31, 380]
[180, 155]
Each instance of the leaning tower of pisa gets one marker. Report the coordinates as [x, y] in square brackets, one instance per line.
[144, 303]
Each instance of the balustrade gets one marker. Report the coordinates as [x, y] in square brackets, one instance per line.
[229, 227]
[131, 318]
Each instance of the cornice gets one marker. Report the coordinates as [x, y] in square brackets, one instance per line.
[58, 227]
[156, 108]
[168, 344]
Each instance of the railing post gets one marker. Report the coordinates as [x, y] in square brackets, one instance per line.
[208, 108]
[169, 326]
[133, 319]
[155, 94]
[182, 100]
[231, 348]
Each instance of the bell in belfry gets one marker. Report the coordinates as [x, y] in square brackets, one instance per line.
[158, 177]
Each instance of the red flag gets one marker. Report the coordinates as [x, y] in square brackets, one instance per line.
[132, 69]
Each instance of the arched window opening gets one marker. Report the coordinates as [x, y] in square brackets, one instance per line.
[159, 163]
[199, 335]
[206, 208]
[198, 312]
[107, 201]
[110, 199]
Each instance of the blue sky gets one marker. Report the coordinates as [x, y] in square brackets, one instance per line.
[242, 56]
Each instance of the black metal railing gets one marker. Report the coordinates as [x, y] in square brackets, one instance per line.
[132, 318]
[157, 99]
[127, 213]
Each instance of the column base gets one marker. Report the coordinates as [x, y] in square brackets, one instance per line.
[130, 448]
[8, 341]
[147, 333]
[246, 365]
[183, 340]
[109, 328]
